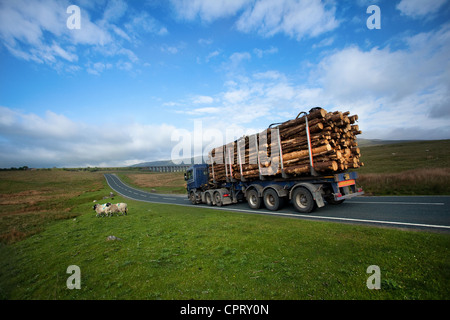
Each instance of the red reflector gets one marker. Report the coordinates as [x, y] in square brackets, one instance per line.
[226, 195]
[338, 195]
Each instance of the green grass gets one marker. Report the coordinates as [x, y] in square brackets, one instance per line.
[29, 200]
[407, 168]
[174, 252]
[405, 156]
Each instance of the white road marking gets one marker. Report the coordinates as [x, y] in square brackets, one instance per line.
[399, 202]
[295, 215]
[336, 218]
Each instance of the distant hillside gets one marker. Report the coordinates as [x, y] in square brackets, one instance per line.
[379, 142]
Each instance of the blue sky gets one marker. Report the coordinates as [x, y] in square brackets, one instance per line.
[138, 75]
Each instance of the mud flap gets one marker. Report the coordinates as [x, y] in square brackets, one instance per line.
[317, 194]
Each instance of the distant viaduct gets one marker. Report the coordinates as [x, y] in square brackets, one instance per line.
[178, 168]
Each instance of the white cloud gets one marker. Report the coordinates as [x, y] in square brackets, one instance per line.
[204, 111]
[37, 31]
[393, 91]
[55, 140]
[419, 8]
[261, 98]
[236, 60]
[205, 42]
[212, 55]
[169, 49]
[143, 22]
[71, 57]
[353, 73]
[114, 10]
[207, 10]
[296, 18]
[324, 43]
[98, 67]
[260, 53]
[271, 74]
[90, 33]
[203, 100]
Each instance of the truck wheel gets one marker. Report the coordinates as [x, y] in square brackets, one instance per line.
[208, 199]
[303, 200]
[218, 199]
[253, 200]
[192, 197]
[271, 199]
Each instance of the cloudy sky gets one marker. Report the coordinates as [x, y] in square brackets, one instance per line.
[138, 77]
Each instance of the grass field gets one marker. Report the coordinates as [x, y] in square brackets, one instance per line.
[31, 199]
[172, 252]
[165, 183]
[407, 168]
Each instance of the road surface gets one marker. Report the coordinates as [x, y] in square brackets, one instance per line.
[413, 212]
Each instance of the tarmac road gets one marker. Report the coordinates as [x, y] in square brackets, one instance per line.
[412, 212]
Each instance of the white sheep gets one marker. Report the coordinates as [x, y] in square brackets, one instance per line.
[102, 209]
[118, 208]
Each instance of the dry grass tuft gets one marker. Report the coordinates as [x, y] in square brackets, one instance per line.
[31, 199]
[425, 181]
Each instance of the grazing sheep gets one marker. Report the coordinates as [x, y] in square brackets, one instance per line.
[102, 209]
[118, 208]
[123, 208]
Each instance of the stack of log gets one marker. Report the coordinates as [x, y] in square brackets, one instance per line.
[333, 145]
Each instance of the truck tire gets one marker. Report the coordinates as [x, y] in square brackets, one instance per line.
[192, 197]
[218, 199]
[208, 199]
[303, 200]
[253, 200]
[271, 200]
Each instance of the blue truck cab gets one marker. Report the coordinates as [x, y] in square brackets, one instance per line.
[196, 177]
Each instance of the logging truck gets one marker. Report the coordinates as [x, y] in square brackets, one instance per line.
[305, 194]
[298, 162]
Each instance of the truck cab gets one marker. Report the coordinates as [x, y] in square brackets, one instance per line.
[196, 177]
